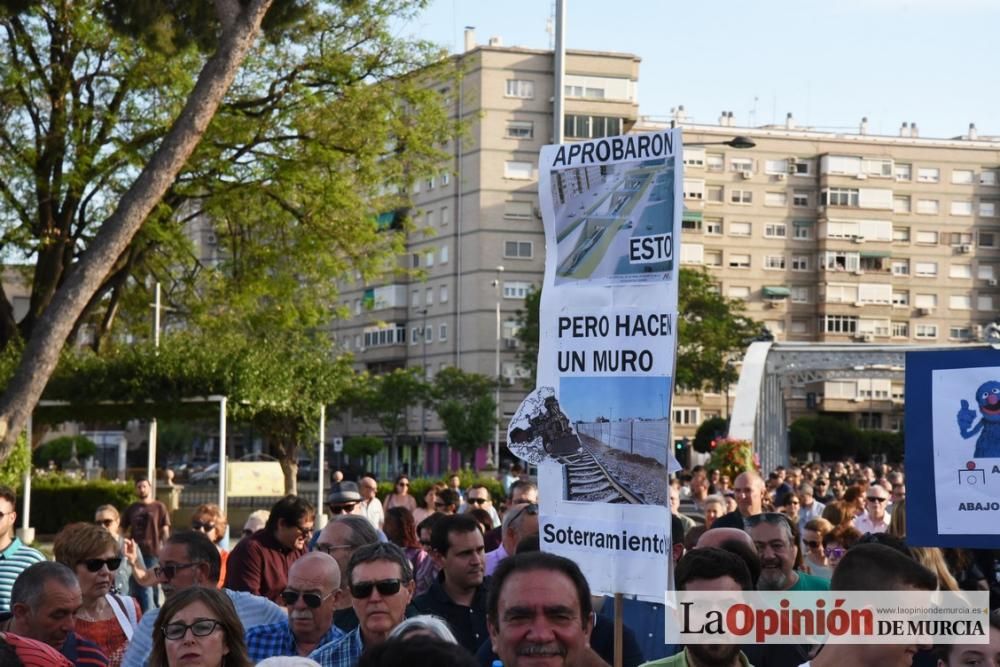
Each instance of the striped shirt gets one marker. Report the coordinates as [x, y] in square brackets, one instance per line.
[265, 641]
[83, 653]
[13, 560]
[33, 653]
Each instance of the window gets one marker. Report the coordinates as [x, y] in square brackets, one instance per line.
[900, 267]
[445, 219]
[713, 194]
[523, 88]
[987, 209]
[841, 197]
[928, 175]
[928, 301]
[960, 302]
[802, 167]
[800, 198]
[415, 298]
[928, 206]
[901, 234]
[960, 333]
[799, 327]
[692, 253]
[775, 166]
[518, 170]
[430, 183]
[987, 239]
[738, 292]
[904, 172]
[591, 127]
[517, 249]
[694, 157]
[518, 210]
[925, 331]
[739, 228]
[985, 272]
[775, 230]
[988, 177]
[713, 226]
[961, 208]
[390, 334]
[694, 188]
[927, 238]
[900, 330]
[800, 294]
[775, 199]
[960, 271]
[520, 129]
[984, 302]
[901, 204]
[443, 254]
[443, 332]
[691, 223]
[443, 294]
[800, 262]
[925, 269]
[900, 298]
[802, 230]
[429, 297]
[741, 164]
[713, 258]
[515, 290]
[961, 176]
[741, 197]
[687, 416]
[841, 261]
[445, 178]
[714, 162]
[739, 261]
[774, 262]
[840, 324]
[960, 238]
[429, 258]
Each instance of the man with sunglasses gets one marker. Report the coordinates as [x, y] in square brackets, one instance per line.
[479, 498]
[188, 558]
[259, 563]
[15, 556]
[875, 519]
[381, 584]
[311, 598]
[344, 535]
[458, 594]
[519, 522]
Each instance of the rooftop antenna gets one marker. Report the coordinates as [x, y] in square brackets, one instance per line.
[550, 25]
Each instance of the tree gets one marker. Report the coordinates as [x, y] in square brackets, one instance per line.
[385, 400]
[527, 335]
[709, 430]
[239, 22]
[711, 331]
[465, 404]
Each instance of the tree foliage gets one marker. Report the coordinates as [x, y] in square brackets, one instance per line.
[709, 430]
[465, 404]
[60, 450]
[528, 333]
[833, 439]
[385, 399]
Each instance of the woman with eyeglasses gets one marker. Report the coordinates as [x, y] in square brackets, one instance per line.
[837, 542]
[209, 519]
[133, 566]
[400, 496]
[198, 626]
[105, 618]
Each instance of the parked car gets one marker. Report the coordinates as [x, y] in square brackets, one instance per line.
[207, 475]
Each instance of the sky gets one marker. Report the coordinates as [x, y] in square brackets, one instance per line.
[614, 398]
[828, 63]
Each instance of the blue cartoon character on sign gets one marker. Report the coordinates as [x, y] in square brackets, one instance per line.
[988, 398]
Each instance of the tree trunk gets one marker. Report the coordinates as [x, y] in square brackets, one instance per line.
[290, 468]
[241, 23]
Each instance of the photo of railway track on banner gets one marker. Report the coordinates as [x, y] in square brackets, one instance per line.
[597, 424]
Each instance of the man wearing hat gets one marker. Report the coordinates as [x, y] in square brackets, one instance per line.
[344, 498]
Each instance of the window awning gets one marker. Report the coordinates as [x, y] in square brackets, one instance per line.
[875, 253]
[776, 292]
[692, 216]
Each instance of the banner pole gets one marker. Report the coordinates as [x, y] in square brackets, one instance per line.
[619, 627]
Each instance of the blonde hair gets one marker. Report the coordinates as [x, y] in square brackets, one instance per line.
[933, 559]
[897, 526]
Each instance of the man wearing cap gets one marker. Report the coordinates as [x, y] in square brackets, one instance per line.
[874, 519]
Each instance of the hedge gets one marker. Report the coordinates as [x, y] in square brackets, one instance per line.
[57, 500]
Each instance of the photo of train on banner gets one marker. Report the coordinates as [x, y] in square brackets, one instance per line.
[540, 430]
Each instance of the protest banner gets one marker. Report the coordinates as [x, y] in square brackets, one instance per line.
[598, 422]
[953, 447]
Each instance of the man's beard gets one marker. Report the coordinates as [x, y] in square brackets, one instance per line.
[772, 579]
[714, 655]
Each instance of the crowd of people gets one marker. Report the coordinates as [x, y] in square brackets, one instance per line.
[454, 576]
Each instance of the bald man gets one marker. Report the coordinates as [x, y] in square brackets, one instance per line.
[749, 489]
[311, 597]
[735, 541]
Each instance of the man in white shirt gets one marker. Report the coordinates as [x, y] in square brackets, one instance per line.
[875, 519]
[370, 505]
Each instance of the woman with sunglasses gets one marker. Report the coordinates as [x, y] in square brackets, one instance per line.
[133, 566]
[814, 556]
[400, 496]
[105, 618]
[209, 519]
[198, 626]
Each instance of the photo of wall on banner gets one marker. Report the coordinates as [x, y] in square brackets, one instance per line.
[597, 425]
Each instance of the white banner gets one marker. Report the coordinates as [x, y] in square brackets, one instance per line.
[598, 423]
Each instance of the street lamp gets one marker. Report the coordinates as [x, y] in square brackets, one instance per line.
[739, 142]
[494, 456]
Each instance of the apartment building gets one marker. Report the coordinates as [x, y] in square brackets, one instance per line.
[844, 238]
[478, 238]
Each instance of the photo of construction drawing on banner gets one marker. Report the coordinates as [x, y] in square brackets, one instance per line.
[597, 424]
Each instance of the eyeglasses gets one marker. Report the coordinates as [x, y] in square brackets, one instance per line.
[385, 587]
[303, 531]
[834, 552]
[876, 499]
[205, 526]
[342, 509]
[812, 544]
[95, 564]
[200, 628]
[312, 600]
[402, 484]
[478, 501]
[104, 522]
[168, 572]
[330, 548]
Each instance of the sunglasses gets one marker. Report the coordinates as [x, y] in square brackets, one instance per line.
[477, 501]
[834, 552]
[385, 587]
[876, 499]
[104, 522]
[95, 564]
[403, 484]
[342, 509]
[304, 532]
[312, 600]
[812, 544]
[330, 548]
[202, 525]
[531, 509]
[168, 572]
[201, 628]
